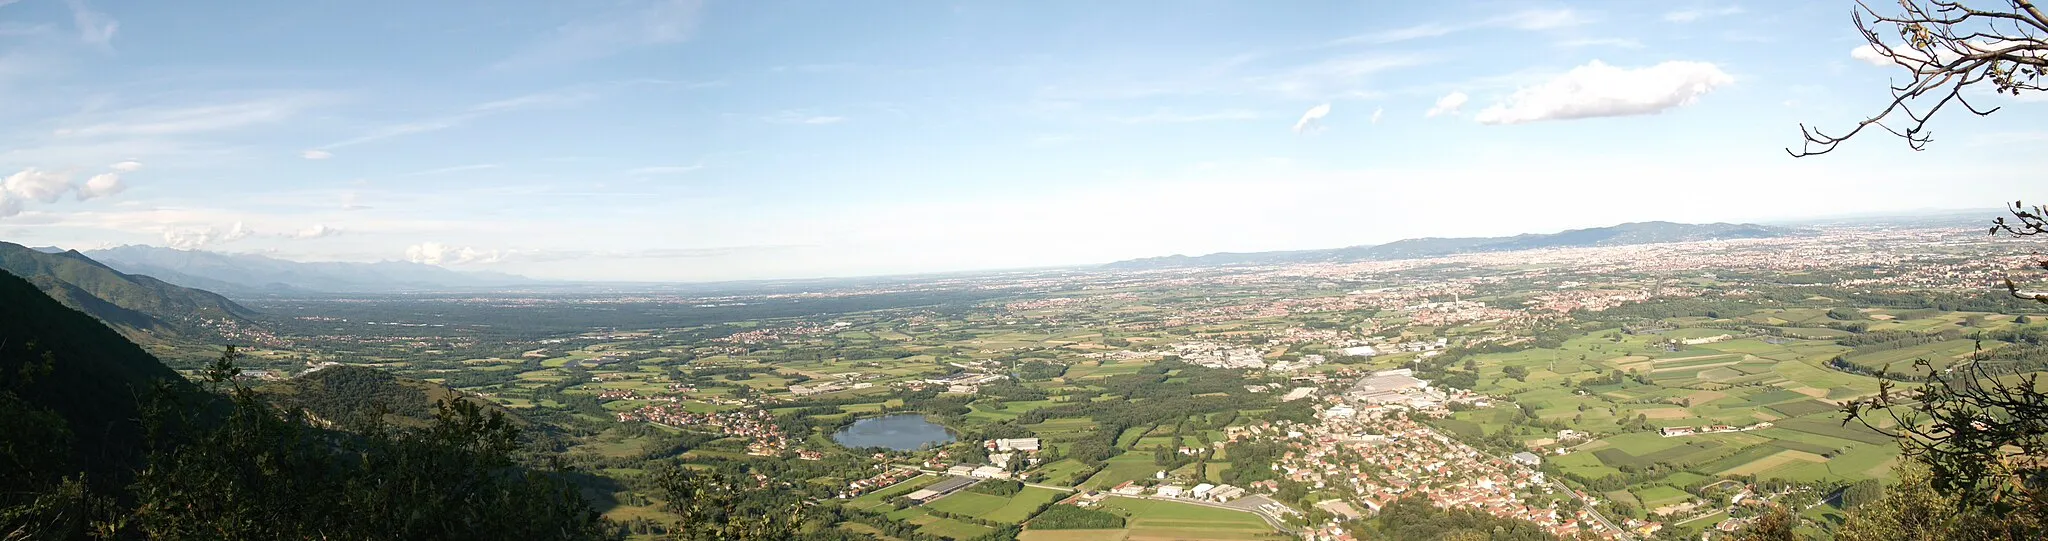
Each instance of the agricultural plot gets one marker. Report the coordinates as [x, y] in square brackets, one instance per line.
[1063, 472]
[1939, 355]
[1835, 429]
[1006, 509]
[1124, 467]
[1154, 520]
[1661, 495]
[1800, 408]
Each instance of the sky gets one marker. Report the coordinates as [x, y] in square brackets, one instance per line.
[672, 140]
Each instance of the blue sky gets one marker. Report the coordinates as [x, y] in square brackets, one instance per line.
[678, 140]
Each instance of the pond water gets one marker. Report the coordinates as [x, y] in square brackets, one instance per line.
[896, 432]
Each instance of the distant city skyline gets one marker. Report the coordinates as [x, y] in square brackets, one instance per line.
[669, 140]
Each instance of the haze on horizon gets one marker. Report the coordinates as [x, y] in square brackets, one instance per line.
[681, 140]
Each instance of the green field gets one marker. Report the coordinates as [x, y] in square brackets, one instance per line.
[1011, 510]
[1163, 520]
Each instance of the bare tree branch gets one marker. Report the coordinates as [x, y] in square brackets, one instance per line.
[1948, 48]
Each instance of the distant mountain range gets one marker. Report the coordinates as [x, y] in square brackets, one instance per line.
[1618, 235]
[248, 274]
[141, 308]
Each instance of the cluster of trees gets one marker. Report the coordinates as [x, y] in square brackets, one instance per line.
[1417, 519]
[1875, 341]
[1069, 517]
[998, 487]
[1040, 370]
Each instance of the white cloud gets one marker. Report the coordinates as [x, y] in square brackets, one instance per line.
[193, 239]
[1312, 119]
[129, 166]
[638, 24]
[795, 117]
[1169, 117]
[94, 28]
[434, 253]
[1597, 89]
[316, 154]
[1870, 54]
[33, 184]
[314, 232]
[1690, 15]
[1376, 113]
[101, 185]
[38, 185]
[1448, 105]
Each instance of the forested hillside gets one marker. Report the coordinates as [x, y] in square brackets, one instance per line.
[99, 440]
[351, 394]
[142, 308]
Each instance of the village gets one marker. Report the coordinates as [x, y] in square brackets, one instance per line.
[1367, 444]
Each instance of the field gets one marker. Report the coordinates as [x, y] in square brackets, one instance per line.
[1009, 510]
[1154, 520]
[1732, 380]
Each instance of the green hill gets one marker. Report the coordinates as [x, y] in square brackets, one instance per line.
[78, 461]
[345, 394]
[96, 379]
[141, 308]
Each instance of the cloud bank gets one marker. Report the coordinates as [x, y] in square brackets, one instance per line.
[434, 253]
[47, 187]
[1599, 90]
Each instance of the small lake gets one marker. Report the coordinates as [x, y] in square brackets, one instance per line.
[907, 432]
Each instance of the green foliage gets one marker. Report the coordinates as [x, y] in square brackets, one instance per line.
[84, 374]
[1040, 370]
[721, 505]
[1862, 492]
[1915, 509]
[999, 487]
[260, 475]
[1775, 525]
[1416, 519]
[1068, 517]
